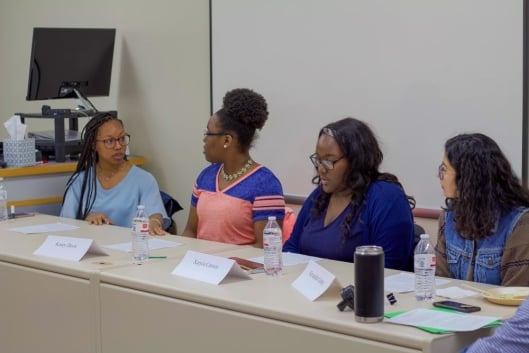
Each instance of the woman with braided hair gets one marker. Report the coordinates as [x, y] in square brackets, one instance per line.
[483, 231]
[233, 197]
[105, 187]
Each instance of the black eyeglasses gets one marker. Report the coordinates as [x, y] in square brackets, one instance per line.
[111, 141]
[326, 163]
[207, 133]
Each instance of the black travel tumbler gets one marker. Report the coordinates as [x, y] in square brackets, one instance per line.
[369, 283]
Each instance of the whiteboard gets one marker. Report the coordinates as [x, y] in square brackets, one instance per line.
[417, 71]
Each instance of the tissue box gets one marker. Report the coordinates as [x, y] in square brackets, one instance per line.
[19, 153]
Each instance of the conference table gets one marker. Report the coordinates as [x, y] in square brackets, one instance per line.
[113, 304]
[53, 305]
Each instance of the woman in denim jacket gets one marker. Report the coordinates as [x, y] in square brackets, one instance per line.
[484, 229]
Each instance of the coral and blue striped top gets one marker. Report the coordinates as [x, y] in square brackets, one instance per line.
[228, 215]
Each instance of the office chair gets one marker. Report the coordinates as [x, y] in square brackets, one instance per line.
[171, 207]
[417, 230]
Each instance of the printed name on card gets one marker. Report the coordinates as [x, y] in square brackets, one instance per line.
[68, 248]
[314, 281]
[207, 268]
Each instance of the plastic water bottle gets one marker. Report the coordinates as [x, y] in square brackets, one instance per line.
[273, 247]
[3, 200]
[424, 267]
[140, 235]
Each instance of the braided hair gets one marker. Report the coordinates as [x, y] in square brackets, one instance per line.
[86, 165]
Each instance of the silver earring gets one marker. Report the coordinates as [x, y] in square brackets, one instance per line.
[225, 145]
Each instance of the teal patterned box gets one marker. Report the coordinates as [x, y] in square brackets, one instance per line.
[19, 153]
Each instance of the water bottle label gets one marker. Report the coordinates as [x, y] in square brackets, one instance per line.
[424, 261]
[140, 227]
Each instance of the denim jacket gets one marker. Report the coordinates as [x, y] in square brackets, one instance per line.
[487, 267]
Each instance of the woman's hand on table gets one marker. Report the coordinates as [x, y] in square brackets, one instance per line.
[98, 219]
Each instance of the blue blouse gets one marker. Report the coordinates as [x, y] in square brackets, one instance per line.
[119, 202]
[386, 220]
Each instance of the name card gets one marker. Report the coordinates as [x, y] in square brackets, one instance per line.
[314, 281]
[207, 268]
[68, 248]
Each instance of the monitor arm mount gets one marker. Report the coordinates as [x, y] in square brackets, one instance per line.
[85, 107]
[85, 102]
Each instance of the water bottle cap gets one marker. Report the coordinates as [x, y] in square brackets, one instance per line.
[271, 218]
[425, 236]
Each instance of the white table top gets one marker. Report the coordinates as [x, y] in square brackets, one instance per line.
[18, 248]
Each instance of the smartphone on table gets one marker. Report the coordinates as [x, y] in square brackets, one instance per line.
[449, 304]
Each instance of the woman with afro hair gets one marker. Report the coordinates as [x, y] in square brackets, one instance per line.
[233, 197]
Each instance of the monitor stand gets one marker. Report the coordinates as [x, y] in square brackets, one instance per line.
[45, 143]
[57, 143]
[60, 141]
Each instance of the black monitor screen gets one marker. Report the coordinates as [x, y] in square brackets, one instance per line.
[64, 59]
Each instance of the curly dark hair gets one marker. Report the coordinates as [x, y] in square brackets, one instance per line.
[360, 147]
[243, 111]
[485, 183]
[87, 163]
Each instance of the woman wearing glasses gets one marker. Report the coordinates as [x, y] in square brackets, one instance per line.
[354, 203]
[106, 188]
[233, 197]
[483, 229]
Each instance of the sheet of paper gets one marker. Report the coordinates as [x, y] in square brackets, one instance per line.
[291, 259]
[207, 268]
[154, 244]
[68, 248]
[44, 228]
[442, 320]
[313, 281]
[405, 282]
[455, 292]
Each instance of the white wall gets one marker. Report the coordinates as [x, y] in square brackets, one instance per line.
[160, 79]
[160, 83]
[417, 71]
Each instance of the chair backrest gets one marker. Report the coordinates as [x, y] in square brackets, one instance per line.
[417, 230]
[171, 207]
[288, 223]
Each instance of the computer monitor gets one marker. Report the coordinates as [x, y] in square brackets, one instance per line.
[66, 60]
